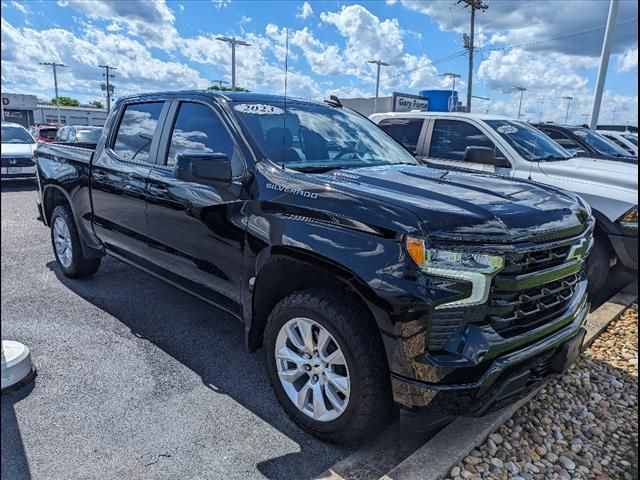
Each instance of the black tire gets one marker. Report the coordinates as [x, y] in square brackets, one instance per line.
[80, 266]
[343, 316]
[598, 262]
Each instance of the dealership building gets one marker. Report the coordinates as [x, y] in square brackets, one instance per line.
[25, 110]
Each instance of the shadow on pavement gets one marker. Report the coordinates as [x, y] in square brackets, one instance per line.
[209, 342]
[14, 460]
[18, 185]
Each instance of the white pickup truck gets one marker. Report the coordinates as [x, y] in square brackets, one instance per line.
[509, 147]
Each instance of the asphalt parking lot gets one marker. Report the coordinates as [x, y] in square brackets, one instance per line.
[136, 379]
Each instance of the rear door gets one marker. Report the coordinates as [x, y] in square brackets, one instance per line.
[119, 176]
[196, 230]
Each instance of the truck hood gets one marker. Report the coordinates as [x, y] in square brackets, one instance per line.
[612, 174]
[18, 149]
[465, 206]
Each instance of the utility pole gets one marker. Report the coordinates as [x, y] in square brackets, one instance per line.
[568, 98]
[109, 87]
[452, 99]
[54, 66]
[220, 82]
[521, 90]
[604, 62]
[233, 41]
[379, 63]
[475, 5]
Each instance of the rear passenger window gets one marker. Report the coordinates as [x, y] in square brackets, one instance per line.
[136, 130]
[405, 131]
[199, 129]
[450, 138]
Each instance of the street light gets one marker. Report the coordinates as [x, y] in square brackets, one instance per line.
[233, 41]
[453, 88]
[379, 63]
[487, 99]
[521, 90]
[568, 98]
[54, 65]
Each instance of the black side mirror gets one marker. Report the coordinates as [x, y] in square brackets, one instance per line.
[203, 167]
[484, 156]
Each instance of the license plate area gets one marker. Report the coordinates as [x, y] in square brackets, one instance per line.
[568, 353]
[11, 170]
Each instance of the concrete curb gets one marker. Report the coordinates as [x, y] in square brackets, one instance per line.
[438, 456]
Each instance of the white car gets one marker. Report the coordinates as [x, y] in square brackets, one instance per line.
[626, 140]
[17, 152]
[509, 147]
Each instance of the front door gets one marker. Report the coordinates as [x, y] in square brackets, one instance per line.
[196, 230]
[119, 178]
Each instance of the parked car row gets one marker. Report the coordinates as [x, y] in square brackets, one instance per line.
[370, 275]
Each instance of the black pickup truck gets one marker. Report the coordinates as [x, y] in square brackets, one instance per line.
[367, 278]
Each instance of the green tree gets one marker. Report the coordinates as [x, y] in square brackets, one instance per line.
[96, 104]
[66, 102]
[227, 89]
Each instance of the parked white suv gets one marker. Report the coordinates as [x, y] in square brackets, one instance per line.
[509, 147]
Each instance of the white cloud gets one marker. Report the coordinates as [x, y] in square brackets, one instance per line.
[153, 21]
[304, 11]
[505, 70]
[544, 25]
[221, 3]
[245, 19]
[138, 70]
[628, 61]
[21, 7]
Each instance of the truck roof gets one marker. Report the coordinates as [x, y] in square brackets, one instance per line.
[477, 116]
[229, 96]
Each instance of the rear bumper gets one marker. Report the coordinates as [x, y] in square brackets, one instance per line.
[502, 381]
[626, 249]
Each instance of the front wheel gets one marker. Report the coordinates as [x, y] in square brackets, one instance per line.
[598, 262]
[327, 366]
[67, 245]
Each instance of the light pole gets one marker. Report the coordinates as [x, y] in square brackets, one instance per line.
[108, 87]
[2, 103]
[586, 118]
[604, 62]
[486, 99]
[379, 63]
[220, 82]
[233, 41]
[521, 90]
[453, 88]
[54, 65]
[568, 98]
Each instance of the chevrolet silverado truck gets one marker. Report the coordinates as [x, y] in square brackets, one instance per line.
[367, 278]
[508, 147]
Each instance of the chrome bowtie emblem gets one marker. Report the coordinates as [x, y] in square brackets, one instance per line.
[579, 250]
[13, 161]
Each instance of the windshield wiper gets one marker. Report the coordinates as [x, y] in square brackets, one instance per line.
[549, 157]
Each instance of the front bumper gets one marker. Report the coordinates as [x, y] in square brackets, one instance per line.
[502, 379]
[18, 173]
[626, 249]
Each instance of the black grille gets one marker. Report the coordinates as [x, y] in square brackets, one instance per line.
[17, 162]
[528, 262]
[512, 313]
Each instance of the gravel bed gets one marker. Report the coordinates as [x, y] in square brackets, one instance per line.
[583, 425]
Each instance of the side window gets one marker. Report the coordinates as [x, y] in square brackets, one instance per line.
[619, 142]
[562, 139]
[405, 131]
[450, 138]
[198, 128]
[63, 134]
[135, 132]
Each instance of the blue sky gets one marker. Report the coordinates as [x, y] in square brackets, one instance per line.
[549, 47]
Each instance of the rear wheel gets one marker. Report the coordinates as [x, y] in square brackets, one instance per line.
[67, 245]
[327, 365]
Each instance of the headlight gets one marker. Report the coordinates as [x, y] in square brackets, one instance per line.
[629, 219]
[476, 268]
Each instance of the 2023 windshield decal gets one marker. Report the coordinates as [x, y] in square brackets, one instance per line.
[292, 191]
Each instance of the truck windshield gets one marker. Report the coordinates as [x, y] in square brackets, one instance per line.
[316, 138]
[632, 138]
[529, 142]
[11, 134]
[601, 143]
